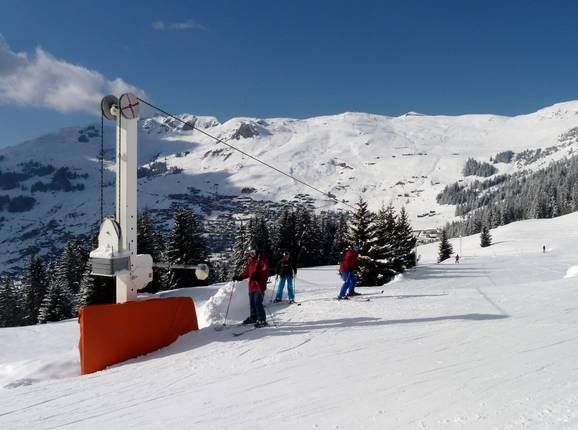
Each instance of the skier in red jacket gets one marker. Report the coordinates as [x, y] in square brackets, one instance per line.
[257, 271]
[347, 270]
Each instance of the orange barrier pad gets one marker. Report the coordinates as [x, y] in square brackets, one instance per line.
[110, 334]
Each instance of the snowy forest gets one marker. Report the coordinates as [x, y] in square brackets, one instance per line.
[546, 193]
[55, 290]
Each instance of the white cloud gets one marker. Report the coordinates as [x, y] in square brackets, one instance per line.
[190, 24]
[42, 80]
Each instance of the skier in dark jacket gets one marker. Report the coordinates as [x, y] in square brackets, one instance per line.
[347, 270]
[286, 271]
[257, 271]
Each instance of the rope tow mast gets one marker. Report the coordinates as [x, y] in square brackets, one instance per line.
[116, 254]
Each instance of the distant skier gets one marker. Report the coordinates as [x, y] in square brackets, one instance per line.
[347, 270]
[286, 271]
[457, 258]
[257, 271]
[543, 249]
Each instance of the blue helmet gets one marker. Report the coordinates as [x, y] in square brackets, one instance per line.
[355, 245]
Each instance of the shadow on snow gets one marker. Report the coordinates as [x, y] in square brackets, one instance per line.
[208, 335]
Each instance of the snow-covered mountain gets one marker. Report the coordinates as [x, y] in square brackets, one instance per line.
[50, 186]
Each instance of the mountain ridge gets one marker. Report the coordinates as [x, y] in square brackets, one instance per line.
[405, 160]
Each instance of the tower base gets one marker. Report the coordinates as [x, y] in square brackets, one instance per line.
[110, 334]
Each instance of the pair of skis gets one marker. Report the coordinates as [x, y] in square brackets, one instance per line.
[235, 326]
[241, 333]
[361, 297]
[224, 326]
[370, 294]
[353, 299]
[288, 303]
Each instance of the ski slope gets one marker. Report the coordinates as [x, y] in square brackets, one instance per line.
[490, 343]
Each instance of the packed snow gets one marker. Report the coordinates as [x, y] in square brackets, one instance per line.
[489, 343]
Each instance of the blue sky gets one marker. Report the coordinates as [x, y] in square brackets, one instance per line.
[284, 58]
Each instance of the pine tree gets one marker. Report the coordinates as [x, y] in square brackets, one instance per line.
[340, 241]
[384, 246]
[221, 271]
[485, 237]
[50, 273]
[57, 303]
[259, 234]
[34, 286]
[185, 245]
[10, 310]
[362, 230]
[285, 238]
[445, 250]
[307, 249]
[71, 265]
[554, 208]
[385, 225]
[95, 290]
[64, 279]
[361, 227]
[406, 241]
[149, 241]
[328, 230]
[241, 250]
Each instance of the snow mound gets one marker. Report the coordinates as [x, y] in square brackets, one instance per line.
[14, 375]
[42, 353]
[572, 272]
[214, 310]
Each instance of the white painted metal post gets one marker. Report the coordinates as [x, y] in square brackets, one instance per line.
[116, 254]
[126, 203]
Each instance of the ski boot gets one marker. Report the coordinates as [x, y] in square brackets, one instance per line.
[277, 301]
[249, 320]
[261, 323]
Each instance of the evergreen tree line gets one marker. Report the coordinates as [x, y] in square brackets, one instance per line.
[386, 238]
[475, 168]
[466, 197]
[45, 292]
[547, 193]
[311, 239]
[503, 157]
[55, 290]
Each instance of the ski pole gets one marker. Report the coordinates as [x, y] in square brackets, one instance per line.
[229, 304]
[270, 316]
[274, 289]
